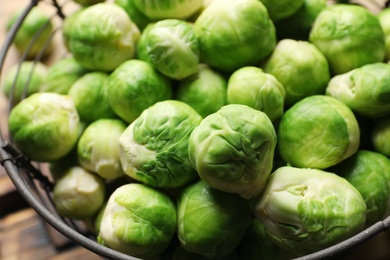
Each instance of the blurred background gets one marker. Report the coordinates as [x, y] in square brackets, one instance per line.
[24, 235]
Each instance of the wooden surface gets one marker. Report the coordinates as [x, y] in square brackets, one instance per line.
[25, 236]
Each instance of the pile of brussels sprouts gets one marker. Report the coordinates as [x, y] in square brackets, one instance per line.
[212, 129]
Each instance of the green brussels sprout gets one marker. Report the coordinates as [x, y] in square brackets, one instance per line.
[138, 220]
[306, 210]
[78, 193]
[384, 17]
[171, 46]
[135, 15]
[98, 148]
[134, 86]
[88, 2]
[169, 9]
[318, 132]
[24, 79]
[33, 37]
[349, 36]
[154, 148]
[100, 36]
[62, 74]
[366, 90]
[45, 126]
[255, 245]
[211, 222]
[369, 173]
[207, 82]
[195, 16]
[380, 135]
[233, 149]
[90, 96]
[298, 25]
[283, 8]
[234, 33]
[253, 87]
[93, 223]
[57, 168]
[300, 67]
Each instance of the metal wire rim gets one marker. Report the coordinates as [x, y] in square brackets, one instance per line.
[26, 176]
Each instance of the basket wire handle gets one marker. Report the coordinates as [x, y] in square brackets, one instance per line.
[59, 9]
[22, 161]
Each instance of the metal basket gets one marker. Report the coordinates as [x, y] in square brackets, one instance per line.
[36, 187]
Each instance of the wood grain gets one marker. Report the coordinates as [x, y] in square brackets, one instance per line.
[23, 236]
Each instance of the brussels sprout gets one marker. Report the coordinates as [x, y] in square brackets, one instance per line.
[88, 2]
[60, 166]
[93, 223]
[255, 245]
[283, 8]
[195, 89]
[306, 210]
[138, 220]
[233, 148]
[195, 16]
[171, 46]
[300, 67]
[45, 126]
[168, 9]
[101, 36]
[318, 132]
[33, 37]
[154, 148]
[384, 18]
[298, 25]
[24, 79]
[98, 148]
[234, 33]
[349, 36]
[78, 193]
[366, 90]
[253, 87]
[380, 135]
[369, 173]
[62, 74]
[211, 222]
[134, 86]
[135, 15]
[90, 96]
[67, 24]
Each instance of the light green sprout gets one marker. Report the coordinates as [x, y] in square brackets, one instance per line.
[305, 210]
